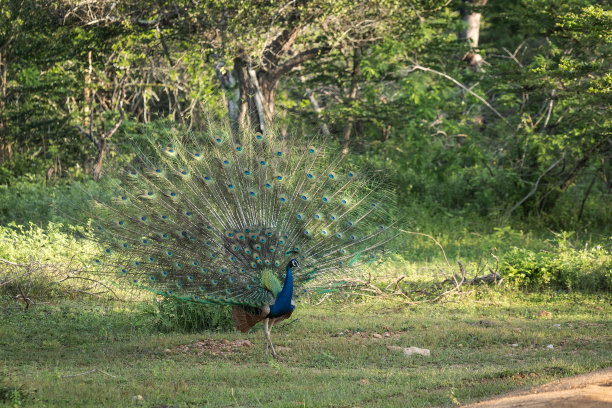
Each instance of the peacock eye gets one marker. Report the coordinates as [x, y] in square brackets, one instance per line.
[264, 204]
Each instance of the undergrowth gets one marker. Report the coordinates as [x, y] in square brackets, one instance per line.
[50, 260]
[172, 315]
[587, 270]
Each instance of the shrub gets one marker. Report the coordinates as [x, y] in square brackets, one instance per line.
[34, 202]
[588, 269]
[173, 314]
[39, 259]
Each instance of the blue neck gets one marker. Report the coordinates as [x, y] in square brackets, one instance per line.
[282, 305]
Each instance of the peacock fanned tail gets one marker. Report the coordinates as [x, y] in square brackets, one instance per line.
[215, 219]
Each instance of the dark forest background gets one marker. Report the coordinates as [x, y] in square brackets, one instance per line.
[496, 111]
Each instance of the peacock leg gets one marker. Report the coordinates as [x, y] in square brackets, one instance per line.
[267, 334]
[270, 324]
[266, 337]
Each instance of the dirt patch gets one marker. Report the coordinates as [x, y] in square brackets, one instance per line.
[215, 347]
[591, 390]
[365, 334]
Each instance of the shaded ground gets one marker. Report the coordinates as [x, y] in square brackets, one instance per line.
[590, 390]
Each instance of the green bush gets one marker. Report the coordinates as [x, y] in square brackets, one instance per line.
[564, 268]
[34, 202]
[54, 244]
[39, 258]
[13, 396]
[173, 314]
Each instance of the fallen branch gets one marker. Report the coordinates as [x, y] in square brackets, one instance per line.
[19, 273]
[23, 296]
[11, 263]
[491, 277]
[435, 292]
[26, 272]
[91, 280]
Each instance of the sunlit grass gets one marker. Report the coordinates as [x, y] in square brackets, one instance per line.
[76, 349]
[334, 357]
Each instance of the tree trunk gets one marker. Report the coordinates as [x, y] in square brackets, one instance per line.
[97, 167]
[316, 107]
[87, 96]
[471, 33]
[352, 94]
[257, 90]
[231, 88]
[261, 100]
[257, 86]
[3, 143]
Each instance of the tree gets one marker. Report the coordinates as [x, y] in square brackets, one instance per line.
[471, 32]
[559, 87]
[254, 44]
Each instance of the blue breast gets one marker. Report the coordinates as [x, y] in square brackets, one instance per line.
[283, 305]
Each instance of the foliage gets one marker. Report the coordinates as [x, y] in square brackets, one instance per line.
[13, 395]
[35, 202]
[40, 259]
[563, 267]
[175, 315]
[556, 89]
[19, 243]
[547, 75]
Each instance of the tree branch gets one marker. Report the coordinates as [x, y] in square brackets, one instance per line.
[298, 60]
[278, 47]
[88, 134]
[459, 84]
[535, 187]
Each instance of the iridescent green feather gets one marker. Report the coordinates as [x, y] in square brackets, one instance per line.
[270, 282]
[215, 218]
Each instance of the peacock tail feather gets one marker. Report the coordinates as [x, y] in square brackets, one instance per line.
[216, 219]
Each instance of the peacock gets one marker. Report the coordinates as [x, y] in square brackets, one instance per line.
[245, 219]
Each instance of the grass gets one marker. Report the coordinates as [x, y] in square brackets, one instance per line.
[334, 359]
[77, 350]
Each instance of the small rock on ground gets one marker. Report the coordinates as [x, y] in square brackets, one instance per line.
[415, 350]
[409, 351]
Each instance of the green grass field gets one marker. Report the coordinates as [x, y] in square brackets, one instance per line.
[72, 354]
[75, 350]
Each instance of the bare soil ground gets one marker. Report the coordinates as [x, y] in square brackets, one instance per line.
[591, 390]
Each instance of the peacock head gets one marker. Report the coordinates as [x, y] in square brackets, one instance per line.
[293, 264]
